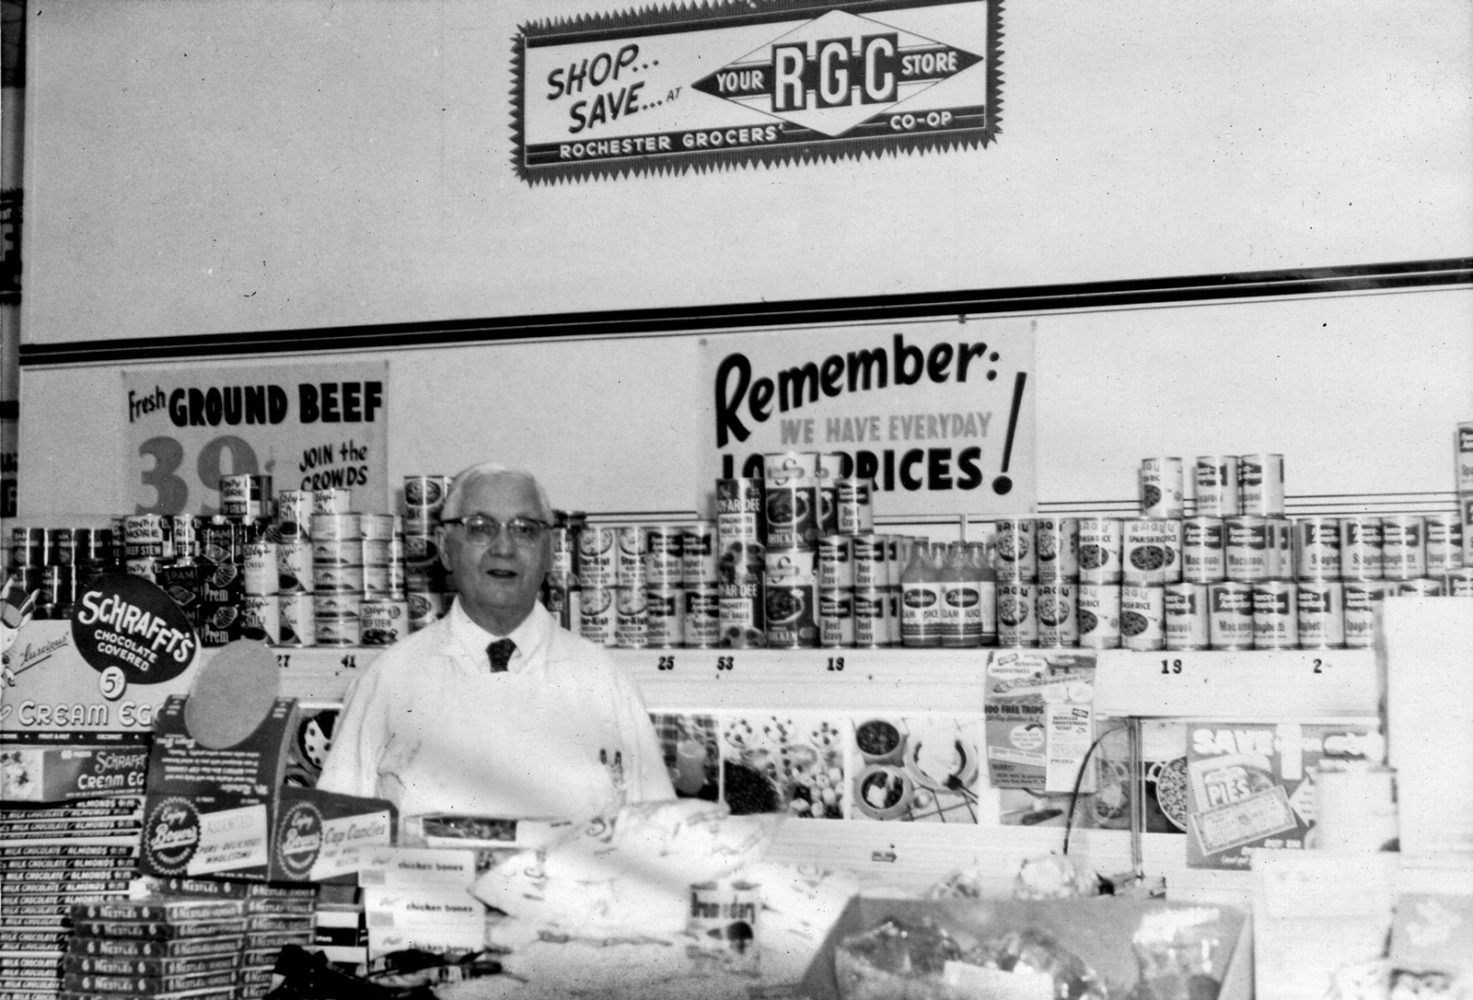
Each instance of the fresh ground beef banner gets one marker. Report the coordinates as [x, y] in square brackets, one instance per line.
[767, 81]
[939, 416]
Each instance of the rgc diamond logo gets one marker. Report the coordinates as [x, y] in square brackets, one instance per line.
[836, 72]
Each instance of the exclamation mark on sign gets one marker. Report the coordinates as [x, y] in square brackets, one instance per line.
[1003, 484]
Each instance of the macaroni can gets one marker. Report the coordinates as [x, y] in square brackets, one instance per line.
[296, 620]
[1056, 543]
[1246, 542]
[294, 513]
[596, 616]
[383, 621]
[1230, 615]
[598, 566]
[665, 613]
[836, 561]
[1055, 607]
[701, 623]
[1160, 481]
[1184, 616]
[1442, 534]
[1361, 600]
[1403, 551]
[1463, 453]
[262, 577]
[1317, 548]
[1360, 549]
[1098, 614]
[1216, 478]
[1017, 559]
[1100, 542]
[631, 618]
[740, 514]
[835, 617]
[332, 500]
[629, 565]
[1151, 550]
[871, 561]
[871, 617]
[664, 555]
[854, 506]
[698, 553]
[1321, 614]
[1275, 614]
[739, 605]
[1202, 553]
[1261, 484]
[1142, 616]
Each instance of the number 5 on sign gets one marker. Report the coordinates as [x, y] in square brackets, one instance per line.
[164, 458]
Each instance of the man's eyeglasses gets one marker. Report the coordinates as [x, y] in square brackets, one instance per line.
[480, 529]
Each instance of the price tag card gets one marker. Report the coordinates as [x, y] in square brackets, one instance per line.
[306, 427]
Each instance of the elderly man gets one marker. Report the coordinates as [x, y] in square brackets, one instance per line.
[496, 710]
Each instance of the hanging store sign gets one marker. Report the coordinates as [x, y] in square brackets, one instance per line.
[765, 82]
[939, 415]
[303, 428]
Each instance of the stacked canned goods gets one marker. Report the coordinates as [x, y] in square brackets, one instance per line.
[1460, 581]
[741, 540]
[427, 586]
[54, 563]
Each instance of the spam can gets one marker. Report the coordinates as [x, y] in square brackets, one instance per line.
[702, 619]
[1403, 551]
[1216, 480]
[1230, 615]
[1321, 614]
[1098, 613]
[1275, 614]
[1261, 484]
[872, 617]
[1184, 616]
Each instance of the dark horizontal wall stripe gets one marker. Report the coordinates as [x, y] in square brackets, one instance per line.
[758, 315]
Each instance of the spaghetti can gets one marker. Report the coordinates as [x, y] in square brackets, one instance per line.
[1442, 535]
[854, 506]
[1160, 481]
[631, 618]
[598, 565]
[1100, 542]
[664, 555]
[698, 553]
[1275, 614]
[1142, 616]
[383, 621]
[1261, 484]
[871, 561]
[296, 620]
[261, 617]
[1056, 609]
[262, 578]
[1403, 551]
[739, 605]
[701, 622]
[871, 617]
[1360, 548]
[294, 568]
[294, 513]
[1056, 545]
[740, 513]
[1202, 554]
[1246, 543]
[1359, 612]
[1317, 548]
[1098, 614]
[597, 618]
[332, 500]
[1421, 586]
[665, 614]
[1184, 616]
[629, 565]
[1280, 548]
[1216, 479]
[1016, 557]
[1321, 614]
[1458, 582]
[1230, 615]
[836, 561]
[835, 617]
[1463, 456]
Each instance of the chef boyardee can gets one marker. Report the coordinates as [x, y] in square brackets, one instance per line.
[1098, 613]
[1443, 535]
[1202, 554]
[1142, 616]
[739, 512]
[1055, 607]
[835, 617]
[1184, 616]
[1321, 614]
[1245, 548]
[631, 618]
[698, 553]
[1275, 614]
[296, 620]
[1361, 600]
[740, 608]
[665, 614]
[853, 503]
[1403, 552]
[1230, 615]
[871, 617]
[1261, 484]
[871, 561]
[597, 616]
[1056, 545]
[1217, 486]
[1360, 549]
[1100, 542]
[1161, 487]
[702, 619]
[1317, 548]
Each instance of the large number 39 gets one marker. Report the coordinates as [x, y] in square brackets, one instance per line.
[171, 493]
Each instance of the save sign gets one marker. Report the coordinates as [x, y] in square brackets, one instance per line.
[942, 423]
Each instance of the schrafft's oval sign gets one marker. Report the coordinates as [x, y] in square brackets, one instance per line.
[126, 622]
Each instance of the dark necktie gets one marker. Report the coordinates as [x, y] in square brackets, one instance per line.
[500, 653]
